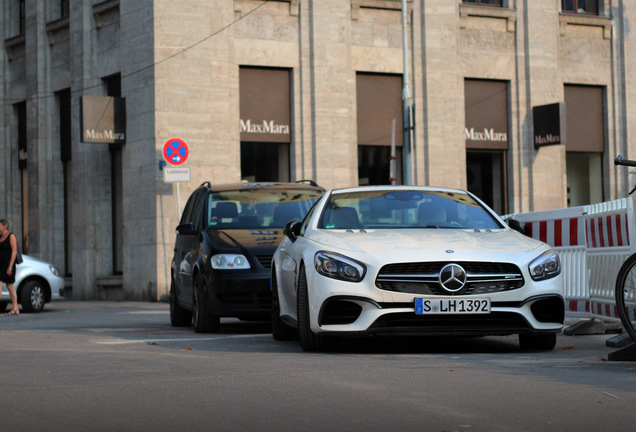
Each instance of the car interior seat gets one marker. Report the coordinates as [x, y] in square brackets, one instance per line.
[225, 212]
[283, 213]
[431, 213]
[343, 218]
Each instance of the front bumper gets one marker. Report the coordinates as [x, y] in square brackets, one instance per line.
[357, 309]
[239, 294]
[359, 317]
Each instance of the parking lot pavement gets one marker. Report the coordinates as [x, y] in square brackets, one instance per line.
[104, 366]
[110, 323]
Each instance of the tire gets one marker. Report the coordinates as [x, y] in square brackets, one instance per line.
[3, 306]
[625, 295]
[537, 342]
[179, 317]
[309, 341]
[33, 296]
[203, 320]
[280, 330]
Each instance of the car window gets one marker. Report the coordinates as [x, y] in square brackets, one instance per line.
[186, 216]
[197, 211]
[258, 208]
[305, 223]
[405, 209]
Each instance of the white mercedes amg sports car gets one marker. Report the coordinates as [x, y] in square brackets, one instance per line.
[404, 260]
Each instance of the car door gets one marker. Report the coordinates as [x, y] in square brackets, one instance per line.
[187, 246]
[291, 253]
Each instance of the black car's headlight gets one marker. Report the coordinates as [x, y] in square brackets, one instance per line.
[229, 262]
[546, 266]
[337, 266]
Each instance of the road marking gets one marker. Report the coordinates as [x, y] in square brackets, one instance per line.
[132, 341]
[150, 312]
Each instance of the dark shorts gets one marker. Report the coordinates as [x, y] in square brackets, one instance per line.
[6, 278]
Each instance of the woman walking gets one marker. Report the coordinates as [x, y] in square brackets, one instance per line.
[8, 252]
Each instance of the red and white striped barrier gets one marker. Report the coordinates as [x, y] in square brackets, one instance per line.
[593, 242]
[565, 231]
[609, 227]
[608, 231]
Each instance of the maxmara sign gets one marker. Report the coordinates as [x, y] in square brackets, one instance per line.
[549, 124]
[486, 135]
[264, 127]
[103, 119]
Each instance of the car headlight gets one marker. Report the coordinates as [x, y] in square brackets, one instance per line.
[546, 266]
[56, 271]
[337, 266]
[230, 262]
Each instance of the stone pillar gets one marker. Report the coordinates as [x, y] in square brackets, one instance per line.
[547, 166]
[332, 87]
[90, 166]
[444, 147]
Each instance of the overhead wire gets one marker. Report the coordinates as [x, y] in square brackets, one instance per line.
[155, 64]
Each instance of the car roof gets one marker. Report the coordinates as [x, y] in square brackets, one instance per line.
[395, 187]
[273, 186]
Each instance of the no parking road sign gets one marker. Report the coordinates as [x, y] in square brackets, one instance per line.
[175, 151]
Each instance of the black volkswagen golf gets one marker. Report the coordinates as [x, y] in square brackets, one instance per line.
[226, 238]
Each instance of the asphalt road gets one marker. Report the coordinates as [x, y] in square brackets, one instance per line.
[105, 366]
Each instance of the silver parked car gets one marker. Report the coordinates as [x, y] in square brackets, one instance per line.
[36, 283]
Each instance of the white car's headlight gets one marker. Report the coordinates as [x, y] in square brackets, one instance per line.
[55, 271]
[337, 266]
[546, 266]
[230, 262]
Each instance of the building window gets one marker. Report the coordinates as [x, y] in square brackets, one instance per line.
[64, 109]
[64, 11]
[265, 123]
[498, 3]
[113, 89]
[22, 17]
[580, 6]
[379, 122]
[486, 103]
[585, 119]
[20, 110]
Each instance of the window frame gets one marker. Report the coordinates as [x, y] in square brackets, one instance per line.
[575, 9]
[502, 3]
[21, 17]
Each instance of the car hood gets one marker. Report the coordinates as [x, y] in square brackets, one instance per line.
[246, 238]
[430, 244]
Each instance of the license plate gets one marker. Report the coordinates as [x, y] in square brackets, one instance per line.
[452, 305]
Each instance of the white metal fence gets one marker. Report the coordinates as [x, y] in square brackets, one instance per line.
[593, 242]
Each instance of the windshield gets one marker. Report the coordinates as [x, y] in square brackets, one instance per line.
[405, 209]
[258, 208]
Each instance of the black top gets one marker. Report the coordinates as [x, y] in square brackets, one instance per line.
[5, 257]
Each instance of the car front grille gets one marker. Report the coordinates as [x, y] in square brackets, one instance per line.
[423, 278]
[409, 323]
[264, 260]
[253, 300]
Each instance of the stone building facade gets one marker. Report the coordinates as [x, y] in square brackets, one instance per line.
[296, 89]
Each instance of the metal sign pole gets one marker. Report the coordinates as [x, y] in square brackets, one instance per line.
[178, 202]
[406, 99]
[393, 158]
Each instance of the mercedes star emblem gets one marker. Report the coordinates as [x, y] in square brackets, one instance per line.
[452, 277]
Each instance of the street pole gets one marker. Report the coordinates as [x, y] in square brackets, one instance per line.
[406, 99]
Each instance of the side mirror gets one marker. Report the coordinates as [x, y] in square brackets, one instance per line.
[292, 229]
[517, 226]
[186, 229]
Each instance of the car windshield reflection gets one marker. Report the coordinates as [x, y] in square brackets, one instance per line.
[257, 208]
[397, 209]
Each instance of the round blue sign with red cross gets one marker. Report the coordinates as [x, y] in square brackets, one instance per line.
[175, 151]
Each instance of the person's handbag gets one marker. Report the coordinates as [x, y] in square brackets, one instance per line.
[18, 254]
